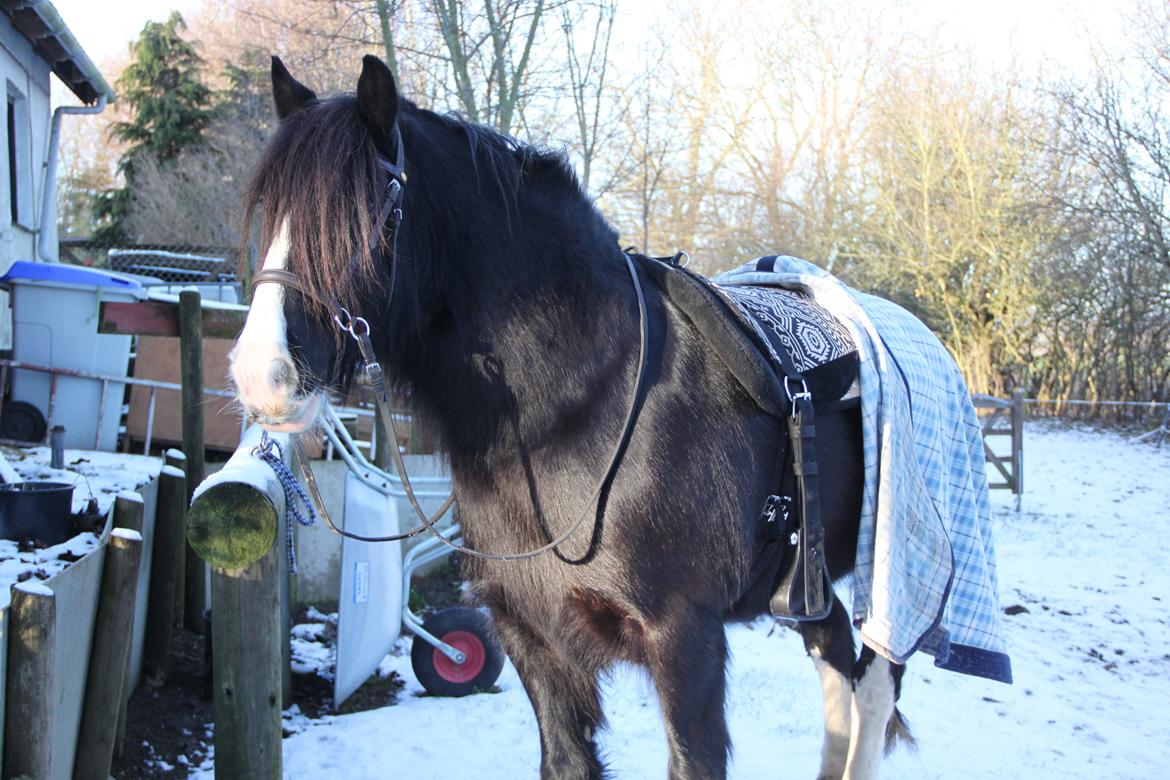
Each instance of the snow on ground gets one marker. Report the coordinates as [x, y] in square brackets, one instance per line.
[312, 645]
[1088, 558]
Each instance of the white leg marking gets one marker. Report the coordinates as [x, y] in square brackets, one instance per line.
[838, 697]
[873, 706]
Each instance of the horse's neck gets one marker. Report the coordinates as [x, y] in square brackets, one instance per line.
[508, 377]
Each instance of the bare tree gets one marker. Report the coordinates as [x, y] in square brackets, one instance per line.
[587, 76]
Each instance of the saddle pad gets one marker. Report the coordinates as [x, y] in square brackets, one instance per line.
[792, 322]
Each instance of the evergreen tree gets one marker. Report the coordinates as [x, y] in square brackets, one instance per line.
[171, 109]
[246, 99]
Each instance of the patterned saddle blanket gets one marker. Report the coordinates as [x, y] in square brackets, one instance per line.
[792, 322]
[754, 330]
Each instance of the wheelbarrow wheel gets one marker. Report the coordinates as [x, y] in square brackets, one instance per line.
[470, 632]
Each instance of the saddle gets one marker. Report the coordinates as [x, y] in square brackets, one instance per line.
[794, 359]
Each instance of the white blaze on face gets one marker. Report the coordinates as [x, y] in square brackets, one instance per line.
[261, 366]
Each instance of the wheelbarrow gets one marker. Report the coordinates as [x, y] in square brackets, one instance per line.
[457, 654]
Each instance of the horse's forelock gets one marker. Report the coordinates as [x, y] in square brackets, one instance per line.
[319, 173]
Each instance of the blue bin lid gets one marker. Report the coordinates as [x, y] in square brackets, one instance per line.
[26, 271]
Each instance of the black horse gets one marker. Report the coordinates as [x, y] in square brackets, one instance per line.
[504, 306]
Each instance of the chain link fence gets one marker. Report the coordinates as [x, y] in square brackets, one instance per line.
[168, 268]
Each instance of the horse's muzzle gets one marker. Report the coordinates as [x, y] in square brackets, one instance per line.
[296, 416]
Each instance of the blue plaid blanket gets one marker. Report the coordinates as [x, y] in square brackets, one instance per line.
[925, 572]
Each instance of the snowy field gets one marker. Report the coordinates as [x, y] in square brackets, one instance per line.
[1088, 557]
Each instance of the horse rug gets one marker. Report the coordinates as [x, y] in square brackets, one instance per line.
[925, 571]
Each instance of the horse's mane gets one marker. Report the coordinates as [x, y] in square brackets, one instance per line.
[319, 171]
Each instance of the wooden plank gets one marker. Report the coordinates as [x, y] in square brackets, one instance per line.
[161, 318]
[170, 523]
[111, 649]
[145, 318]
[1001, 469]
[158, 359]
[129, 513]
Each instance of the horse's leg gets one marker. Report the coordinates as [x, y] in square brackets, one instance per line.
[876, 722]
[687, 656]
[829, 643]
[564, 696]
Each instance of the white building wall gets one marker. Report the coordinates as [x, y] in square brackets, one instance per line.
[24, 77]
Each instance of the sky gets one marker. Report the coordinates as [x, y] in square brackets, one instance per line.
[994, 28]
[1059, 33]
[105, 29]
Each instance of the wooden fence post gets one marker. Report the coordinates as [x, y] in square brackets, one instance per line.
[245, 629]
[170, 526]
[129, 513]
[112, 637]
[178, 459]
[191, 371]
[28, 733]
[1018, 445]
[234, 524]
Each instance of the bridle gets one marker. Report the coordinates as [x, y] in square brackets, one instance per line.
[390, 213]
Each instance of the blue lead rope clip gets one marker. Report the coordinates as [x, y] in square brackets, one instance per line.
[269, 452]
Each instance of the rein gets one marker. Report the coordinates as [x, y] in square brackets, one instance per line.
[359, 329]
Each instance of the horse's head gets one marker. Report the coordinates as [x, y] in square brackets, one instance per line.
[320, 187]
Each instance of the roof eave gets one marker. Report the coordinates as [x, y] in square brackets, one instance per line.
[40, 22]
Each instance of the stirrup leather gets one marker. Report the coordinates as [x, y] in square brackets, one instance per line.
[804, 592]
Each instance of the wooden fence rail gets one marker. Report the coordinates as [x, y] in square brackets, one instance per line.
[1009, 466]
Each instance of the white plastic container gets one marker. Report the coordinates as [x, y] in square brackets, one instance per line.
[55, 311]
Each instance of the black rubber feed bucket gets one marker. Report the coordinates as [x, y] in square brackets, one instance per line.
[36, 510]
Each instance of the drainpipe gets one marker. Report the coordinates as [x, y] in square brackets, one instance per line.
[53, 21]
[45, 248]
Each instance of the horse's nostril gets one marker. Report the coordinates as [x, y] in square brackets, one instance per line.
[283, 373]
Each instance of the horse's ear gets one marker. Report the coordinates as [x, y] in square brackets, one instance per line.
[377, 99]
[290, 95]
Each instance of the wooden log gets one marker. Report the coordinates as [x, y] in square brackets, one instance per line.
[28, 718]
[244, 500]
[191, 354]
[246, 636]
[129, 513]
[170, 525]
[112, 638]
[177, 459]
[235, 515]
[232, 525]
